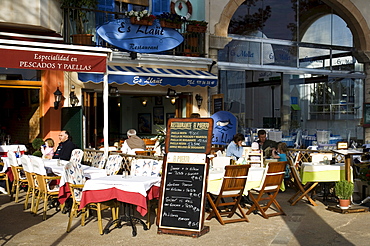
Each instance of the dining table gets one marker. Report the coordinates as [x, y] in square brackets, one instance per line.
[12, 147]
[129, 190]
[348, 154]
[318, 172]
[56, 166]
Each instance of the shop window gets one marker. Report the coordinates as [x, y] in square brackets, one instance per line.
[332, 100]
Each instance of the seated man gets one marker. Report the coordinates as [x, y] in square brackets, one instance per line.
[65, 147]
[133, 143]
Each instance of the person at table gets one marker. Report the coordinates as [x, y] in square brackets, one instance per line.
[65, 147]
[47, 150]
[264, 143]
[235, 149]
[280, 154]
[132, 143]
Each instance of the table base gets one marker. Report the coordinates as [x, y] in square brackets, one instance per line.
[352, 209]
[193, 234]
[127, 217]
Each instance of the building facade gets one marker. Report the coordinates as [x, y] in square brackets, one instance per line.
[297, 65]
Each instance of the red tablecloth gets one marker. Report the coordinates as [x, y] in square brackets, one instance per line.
[92, 196]
[64, 193]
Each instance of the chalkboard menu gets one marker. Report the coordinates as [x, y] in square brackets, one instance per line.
[183, 196]
[217, 103]
[189, 135]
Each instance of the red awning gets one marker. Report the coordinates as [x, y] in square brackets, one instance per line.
[53, 57]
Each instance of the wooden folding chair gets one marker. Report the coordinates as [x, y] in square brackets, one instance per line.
[232, 187]
[302, 189]
[268, 191]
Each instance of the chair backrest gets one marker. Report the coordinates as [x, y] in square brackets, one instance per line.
[235, 178]
[98, 160]
[146, 167]
[294, 167]
[28, 170]
[73, 174]
[113, 164]
[274, 175]
[38, 166]
[76, 155]
[26, 164]
[219, 163]
[12, 159]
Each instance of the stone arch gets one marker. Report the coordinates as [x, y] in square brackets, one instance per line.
[346, 10]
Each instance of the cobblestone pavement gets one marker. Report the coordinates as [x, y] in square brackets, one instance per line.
[303, 225]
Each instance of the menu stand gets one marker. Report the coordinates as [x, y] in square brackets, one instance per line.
[128, 210]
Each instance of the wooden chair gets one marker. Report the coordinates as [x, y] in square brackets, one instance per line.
[73, 175]
[268, 191]
[4, 177]
[44, 190]
[302, 189]
[232, 187]
[113, 164]
[31, 177]
[19, 179]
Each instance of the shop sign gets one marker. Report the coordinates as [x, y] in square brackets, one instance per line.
[41, 59]
[224, 127]
[140, 38]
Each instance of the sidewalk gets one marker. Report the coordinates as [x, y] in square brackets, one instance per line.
[303, 225]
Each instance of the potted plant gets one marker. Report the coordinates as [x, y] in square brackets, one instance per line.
[79, 16]
[140, 17]
[196, 26]
[36, 144]
[344, 190]
[170, 20]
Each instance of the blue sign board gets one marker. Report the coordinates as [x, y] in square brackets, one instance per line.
[140, 38]
[224, 127]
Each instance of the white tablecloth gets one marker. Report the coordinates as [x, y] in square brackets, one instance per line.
[89, 172]
[138, 184]
[12, 147]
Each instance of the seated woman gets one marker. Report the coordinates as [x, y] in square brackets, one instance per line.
[47, 150]
[235, 149]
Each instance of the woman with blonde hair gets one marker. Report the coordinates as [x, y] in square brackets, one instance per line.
[47, 150]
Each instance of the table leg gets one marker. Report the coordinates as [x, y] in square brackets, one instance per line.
[347, 162]
[126, 217]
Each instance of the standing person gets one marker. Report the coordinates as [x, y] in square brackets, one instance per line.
[264, 142]
[65, 147]
[235, 149]
[47, 150]
[132, 143]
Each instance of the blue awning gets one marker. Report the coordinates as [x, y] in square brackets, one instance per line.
[152, 76]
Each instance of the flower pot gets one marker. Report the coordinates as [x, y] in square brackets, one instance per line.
[82, 39]
[193, 28]
[170, 24]
[344, 204]
[142, 21]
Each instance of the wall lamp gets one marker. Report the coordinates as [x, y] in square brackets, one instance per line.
[113, 91]
[199, 99]
[173, 100]
[73, 98]
[144, 102]
[171, 93]
[57, 98]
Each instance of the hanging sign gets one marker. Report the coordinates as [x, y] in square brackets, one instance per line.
[140, 38]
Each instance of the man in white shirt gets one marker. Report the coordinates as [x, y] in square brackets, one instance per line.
[132, 143]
